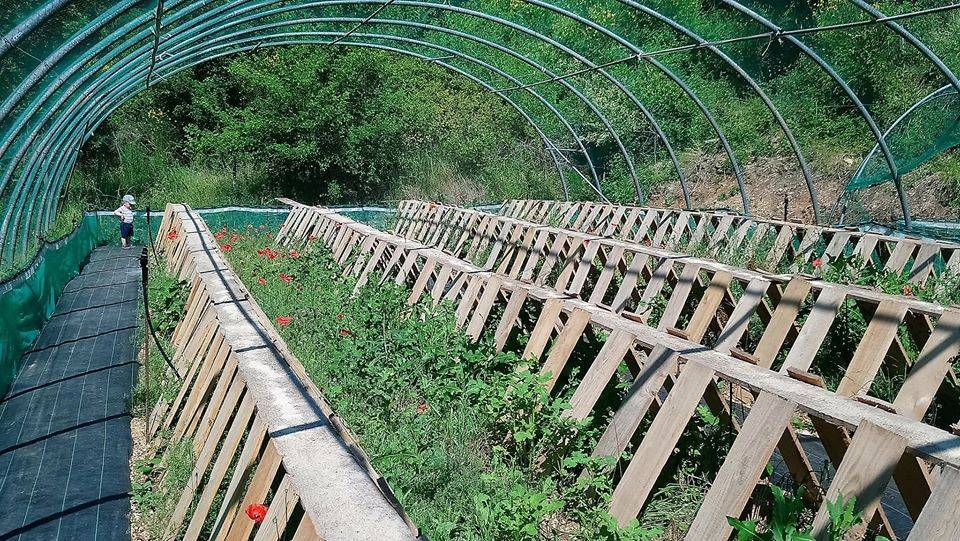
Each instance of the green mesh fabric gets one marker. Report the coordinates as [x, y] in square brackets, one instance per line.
[929, 129]
[27, 299]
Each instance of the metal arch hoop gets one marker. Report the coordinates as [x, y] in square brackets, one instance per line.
[529, 32]
[912, 40]
[871, 123]
[938, 93]
[82, 123]
[672, 76]
[804, 168]
[258, 6]
[441, 29]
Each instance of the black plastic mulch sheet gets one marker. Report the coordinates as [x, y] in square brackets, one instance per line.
[65, 439]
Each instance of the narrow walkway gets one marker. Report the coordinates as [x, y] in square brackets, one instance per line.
[65, 425]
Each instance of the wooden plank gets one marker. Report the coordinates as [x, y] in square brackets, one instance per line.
[641, 395]
[219, 470]
[706, 311]
[742, 468]
[510, 314]
[630, 278]
[491, 289]
[940, 520]
[203, 459]
[599, 374]
[282, 504]
[864, 472]
[784, 317]
[678, 299]
[872, 348]
[543, 330]
[418, 287]
[241, 474]
[658, 443]
[814, 329]
[258, 490]
[614, 257]
[563, 346]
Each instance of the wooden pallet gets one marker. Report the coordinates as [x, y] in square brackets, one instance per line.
[261, 431]
[784, 244]
[669, 357]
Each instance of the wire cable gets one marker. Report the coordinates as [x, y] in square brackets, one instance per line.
[774, 34]
[145, 274]
[361, 23]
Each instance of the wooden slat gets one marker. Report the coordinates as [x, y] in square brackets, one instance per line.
[864, 473]
[658, 443]
[940, 520]
[598, 375]
[640, 396]
[741, 470]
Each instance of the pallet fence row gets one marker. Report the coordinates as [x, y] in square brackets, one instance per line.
[673, 370]
[781, 245]
[260, 430]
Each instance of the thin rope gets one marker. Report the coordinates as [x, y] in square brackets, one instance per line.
[157, 28]
[361, 23]
[774, 34]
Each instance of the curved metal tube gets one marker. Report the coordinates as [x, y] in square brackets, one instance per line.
[511, 25]
[912, 40]
[846, 88]
[673, 77]
[206, 45]
[233, 14]
[433, 28]
[11, 38]
[804, 168]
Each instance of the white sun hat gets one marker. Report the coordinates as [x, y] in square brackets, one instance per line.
[129, 199]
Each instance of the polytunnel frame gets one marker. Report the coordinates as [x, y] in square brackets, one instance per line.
[131, 79]
[38, 17]
[266, 14]
[428, 5]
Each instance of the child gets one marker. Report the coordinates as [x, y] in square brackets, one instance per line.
[125, 213]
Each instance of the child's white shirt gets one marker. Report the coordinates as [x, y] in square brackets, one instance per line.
[125, 214]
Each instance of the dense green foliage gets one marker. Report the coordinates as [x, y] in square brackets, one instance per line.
[349, 125]
[315, 124]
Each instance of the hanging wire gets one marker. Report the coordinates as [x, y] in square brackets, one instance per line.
[771, 35]
[157, 27]
[363, 22]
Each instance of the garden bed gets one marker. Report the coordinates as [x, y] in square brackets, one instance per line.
[473, 446]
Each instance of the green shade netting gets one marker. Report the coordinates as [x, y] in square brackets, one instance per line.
[932, 127]
[27, 300]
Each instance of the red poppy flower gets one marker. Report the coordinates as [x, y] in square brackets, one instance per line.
[312, 237]
[271, 255]
[907, 290]
[234, 237]
[219, 235]
[261, 281]
[294, 254]
[344, 332]
[422, 407]
[817, 263]
[257, 512]
[286, 277]
[172, 235]
[283, 321]
[226, 247]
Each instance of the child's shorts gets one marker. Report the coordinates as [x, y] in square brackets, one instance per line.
[126, 230]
